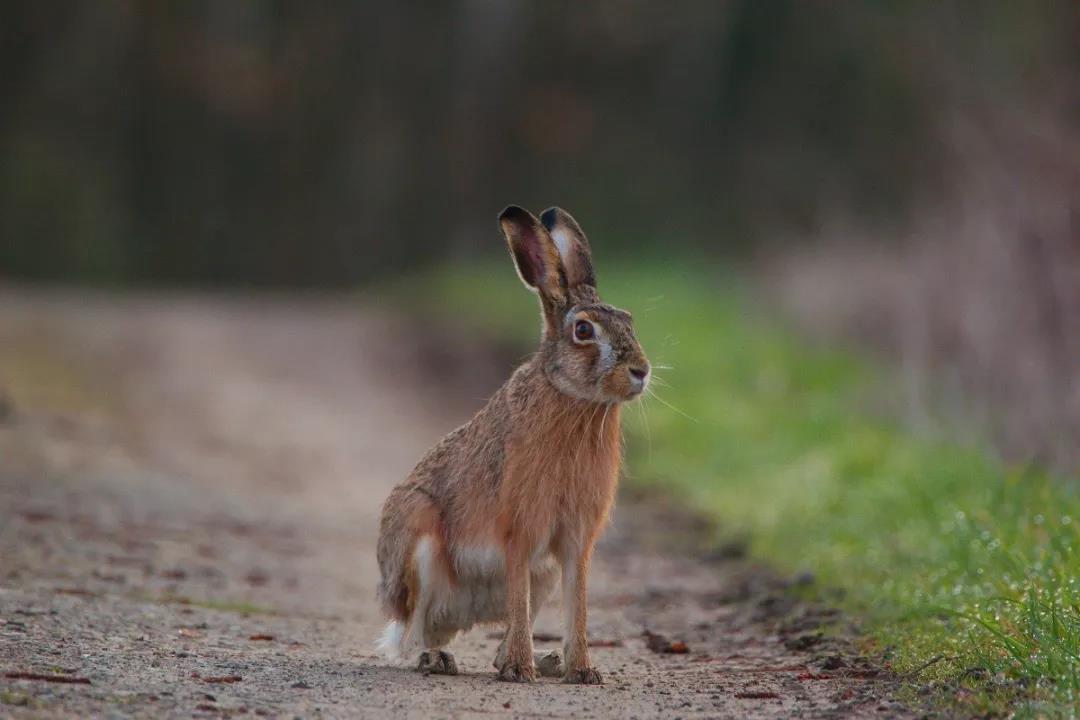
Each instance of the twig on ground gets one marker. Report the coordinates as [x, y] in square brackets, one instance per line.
[932, 661]
[47, 678]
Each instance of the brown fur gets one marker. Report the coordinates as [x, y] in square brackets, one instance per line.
[536, 469]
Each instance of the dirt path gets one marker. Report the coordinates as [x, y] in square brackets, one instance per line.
[189, 496]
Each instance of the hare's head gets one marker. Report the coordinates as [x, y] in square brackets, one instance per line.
[588, 349]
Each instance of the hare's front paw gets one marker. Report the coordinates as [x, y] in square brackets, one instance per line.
[517, 672]
[584, 676]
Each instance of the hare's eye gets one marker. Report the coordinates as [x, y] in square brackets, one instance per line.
[583, 330]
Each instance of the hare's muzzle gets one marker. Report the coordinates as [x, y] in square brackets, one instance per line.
[639, 378]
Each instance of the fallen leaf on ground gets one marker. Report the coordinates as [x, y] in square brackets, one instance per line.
[257, 578]
[605, 643]
[36, 516]
[222, 679]
[260, 636]
[189, 633]
[68, 679]
[814, 676]
[660, 644]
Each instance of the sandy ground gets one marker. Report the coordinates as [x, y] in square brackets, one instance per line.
[189, 498]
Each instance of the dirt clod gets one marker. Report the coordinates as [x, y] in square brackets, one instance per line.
[833, 662]
[803, 642]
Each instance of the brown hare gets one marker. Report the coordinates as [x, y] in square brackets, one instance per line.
[481, 529]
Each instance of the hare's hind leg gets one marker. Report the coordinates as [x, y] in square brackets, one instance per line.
[437, 662]
[429, 627]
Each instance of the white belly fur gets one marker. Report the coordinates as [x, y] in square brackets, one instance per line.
[479, 595]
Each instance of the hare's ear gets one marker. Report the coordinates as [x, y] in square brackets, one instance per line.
[535, 255]
[572, 245]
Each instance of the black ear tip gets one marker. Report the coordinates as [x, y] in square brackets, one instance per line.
[513, 212]
[549, 217]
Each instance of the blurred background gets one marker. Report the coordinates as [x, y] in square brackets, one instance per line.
[904, 174]
[250, 271]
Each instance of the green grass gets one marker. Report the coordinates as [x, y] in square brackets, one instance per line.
[11, 697]
[940, 550]
[233, 606]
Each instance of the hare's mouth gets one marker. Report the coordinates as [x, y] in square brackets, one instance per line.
[632, 393]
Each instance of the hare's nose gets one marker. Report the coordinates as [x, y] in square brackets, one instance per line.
[639, 372]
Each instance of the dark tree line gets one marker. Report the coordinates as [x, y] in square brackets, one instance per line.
[327, 143]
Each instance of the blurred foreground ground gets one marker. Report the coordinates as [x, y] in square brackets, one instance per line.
[189, 498]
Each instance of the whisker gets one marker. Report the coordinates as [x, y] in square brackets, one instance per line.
[669, 341]
[592, 418]
[665, 402]
[584, 435]
[653, 303]
[645, 424]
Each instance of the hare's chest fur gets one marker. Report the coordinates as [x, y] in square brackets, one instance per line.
[548, 497]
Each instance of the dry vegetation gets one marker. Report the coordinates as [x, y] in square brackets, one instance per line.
[979, 302]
